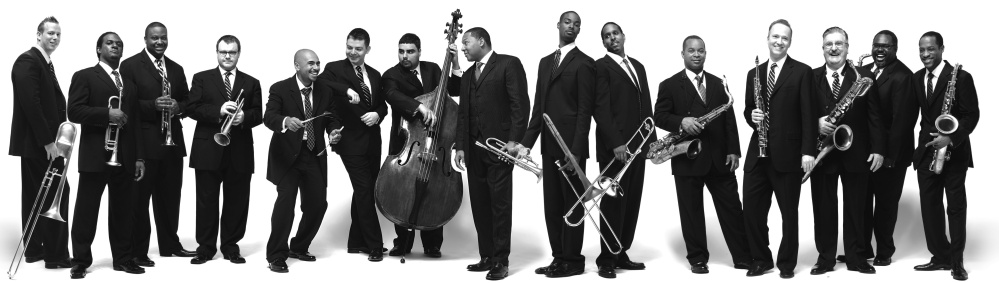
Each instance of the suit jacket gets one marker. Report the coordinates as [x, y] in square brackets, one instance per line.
[142, 72]
[358, 138]
[965, 109]
[894, 92]
[494, 106]
[206, 99]
[678, 99]
[793, 128]
[863, 118]
[89, 92]
[619, 106]
[39, 105]
[285, 100]
[401, 89]
[567, 97]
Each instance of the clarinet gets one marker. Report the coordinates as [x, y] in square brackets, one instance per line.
[761, 129]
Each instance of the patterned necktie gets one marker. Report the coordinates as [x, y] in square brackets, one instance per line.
[877, 72]
[558, 55]
[700, 88]
[117, 79]
[228, 86]
[417, 74]
[52, 69]
[310, 137]
[835, 86]
[478, 70]
[770, 89]
[163, 74]
[365, 91]
[929, 85]
[627, 66]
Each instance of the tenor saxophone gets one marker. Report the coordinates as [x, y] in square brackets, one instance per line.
[674, 144]
[945, 123]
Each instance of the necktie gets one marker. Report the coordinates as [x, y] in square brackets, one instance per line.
[163, 74]
[877, 72]
[478, 70]
[634, 79]
[558, 55]
[835, 86]
[700, 88]
[417, 74]
[365, 91]
[929, 85]
[770, 89]
[117, 79]
[310, 137]
[228, 86]
[52, 69]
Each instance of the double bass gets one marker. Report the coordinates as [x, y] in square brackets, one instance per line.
[417, 188]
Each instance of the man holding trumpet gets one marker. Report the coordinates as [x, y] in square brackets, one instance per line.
[227, 105]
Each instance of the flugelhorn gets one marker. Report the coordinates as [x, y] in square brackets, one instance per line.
[841, 137]
[525, 162]
[65, 139]
[222, 138]
[113, 130]
[945, 123]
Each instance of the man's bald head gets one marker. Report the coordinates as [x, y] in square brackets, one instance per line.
[307, 66]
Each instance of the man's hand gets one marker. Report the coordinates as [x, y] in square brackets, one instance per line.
[335, 136]
[568, 164]
[511, 148]
[807, 163]
[939, 141]
[459, 159]
[621, 153]
[140, 170]
[293, 124]
[876, 161]
[826, 128]
[117, 116]
[166, 103]
[428, 115]
[732, 160]
[690, 126]
[370, 118]
[227, 108]
[757, 116]
[51, 151]
[354, 97]
[453, 48]
[238, 119]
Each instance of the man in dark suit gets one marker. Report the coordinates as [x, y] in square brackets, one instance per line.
[931, 85]
[161, 86]
[832, 83]
[296, 160]
[215, 95]
[403, 83]
[39, 108]
[494, 103]
[360, 104]
[683, 99]
[565, 92]
[621, 89]
[89, 97]
[787, 114]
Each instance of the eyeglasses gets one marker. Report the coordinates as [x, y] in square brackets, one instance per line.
[882, 46]
[838, 44]
[228, 53]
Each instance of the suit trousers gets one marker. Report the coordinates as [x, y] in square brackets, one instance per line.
[724, 191]
[162, 183]
[50, 238]
[304, 176]
[365, 231]
[559, 195]
[231, 226]
[931, 190]
[621, 211]
[121, 194]
[884, 189]
[490, 194]
[430, 238]
[761, 184]
[826, 214]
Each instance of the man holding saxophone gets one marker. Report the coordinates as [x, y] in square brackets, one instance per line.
[227, 105]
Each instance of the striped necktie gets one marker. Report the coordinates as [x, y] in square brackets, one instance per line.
[163, 74]
[929, 85]
[700, 88]
[770, 89]
[309, 133]
[365, 91]
[835, 86]
[558, 55]
[228, 86]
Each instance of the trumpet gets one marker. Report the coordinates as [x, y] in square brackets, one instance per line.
[222, 138]
[166, 122]
[65, 139]
[841, 137]
[525, 162]
[113, 129]
[946, 123]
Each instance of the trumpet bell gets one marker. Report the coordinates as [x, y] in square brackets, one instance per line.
[946, 124]
[842, 137]
[222, 139]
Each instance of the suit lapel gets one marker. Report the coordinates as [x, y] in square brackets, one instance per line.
[421, 81]
[237, 85]
[941, 85]
[564, 62]
[104, 76]
[785, 72]
[296, 95]
[689, 88]
[486, 70]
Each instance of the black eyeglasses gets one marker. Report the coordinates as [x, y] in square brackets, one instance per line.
[229, 53]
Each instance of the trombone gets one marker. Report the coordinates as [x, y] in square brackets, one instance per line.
[222, 138]
[113, 129]
[495, 146]
[65, 139]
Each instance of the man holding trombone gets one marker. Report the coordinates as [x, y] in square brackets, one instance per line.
[227, 105]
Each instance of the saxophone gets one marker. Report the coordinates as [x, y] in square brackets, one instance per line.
[945, 123]
[761, 129]
[842, 136]
[672, 144]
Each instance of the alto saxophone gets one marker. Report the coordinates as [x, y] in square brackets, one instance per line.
[842, 136]
[945, 123]
[673, 144]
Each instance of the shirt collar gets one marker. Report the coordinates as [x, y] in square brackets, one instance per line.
[153, 58]
[692, 75]
[939, 69]
[107, 68]
[46, 55]
[233, 75]
[780, 62]
[565, 49]
[830, 71]
[617, 58]
[302, 85]
[485, 59]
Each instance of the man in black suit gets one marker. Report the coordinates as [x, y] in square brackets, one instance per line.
[215, 94]
[403, 83]
[161, 86]
[784, 86]
[931, 85]
[296, 160]
[360, 104]
[683, 99]
[832, 83]
[565, 92]
[90, 104]
[621, 88]
[494, 103]
[39, 109]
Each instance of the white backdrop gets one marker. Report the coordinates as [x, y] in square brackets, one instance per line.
[734, 33]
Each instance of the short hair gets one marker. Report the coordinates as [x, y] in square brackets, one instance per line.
[894, 39]
[480, 33]
[935, 35]
[100, 40]
[410, 38]
[783, 22]
[151, 26]
[360, 34]
[49, 19]
[566, 13]
[611, 23]
[228, 39]
[689, 37]
[835, 29]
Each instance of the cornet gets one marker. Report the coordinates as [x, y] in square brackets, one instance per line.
[222, 138]
[113, 129]
[525, 162]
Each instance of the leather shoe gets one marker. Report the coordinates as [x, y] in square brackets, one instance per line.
[932, 266]
[546, 269]
[699, 267]
[482, 265]
[376, 256]
[199, 259]
[818, 269]
[303, 256]
[787, 274]
[362, 250]
[862, 267]
[498, 272]
[396, 251]
[279, 266]
[758, 269]
[180, 253]
[882, 261]
[77, 272]
[58, 264]
[432, 252]
[630, 265]
[130, 267]
[33, 259]
[565, 269]
[606, 271]
[234, 258]
[144, 261]
[743, 265]
[959, 273]
[841, 258]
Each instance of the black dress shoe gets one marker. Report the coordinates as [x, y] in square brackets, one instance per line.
[862, 267]
[959, 273]
[199, 259]
[630, 265]
[482, 265]
[180, 253]
[787, 274]
[77, 272]
[303, 256]
[758, 269]
[33, 259]
[699, 267]
[819, 269]
[606, 271]
[932, 266]
[376, 256]
[58, 264]
[432, 252]
[279, 266]
[841, 258]
[397, 251]
[882, 261]
[130, 267]
[144, 261]
[547, 268]
[498, 272]
[743, 265]
[358, 250]
[234, 258]
[565, 269]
